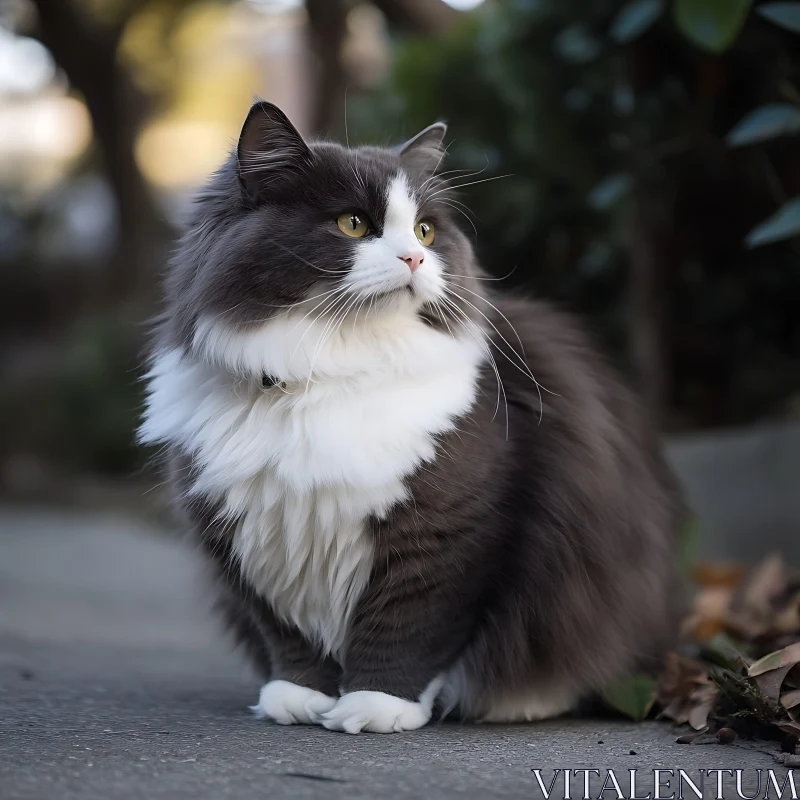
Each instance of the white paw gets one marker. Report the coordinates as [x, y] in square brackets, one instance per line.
[289, 704]
[376, 712]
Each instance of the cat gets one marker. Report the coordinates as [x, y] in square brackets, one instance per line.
[417, 494]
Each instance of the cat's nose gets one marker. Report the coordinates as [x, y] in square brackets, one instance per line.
[413, 259]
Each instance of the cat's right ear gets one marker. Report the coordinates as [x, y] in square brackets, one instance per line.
[423, 153]
[270, 151]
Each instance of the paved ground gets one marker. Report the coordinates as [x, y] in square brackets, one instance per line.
[114, 685]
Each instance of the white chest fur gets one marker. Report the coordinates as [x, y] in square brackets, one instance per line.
[301, 470]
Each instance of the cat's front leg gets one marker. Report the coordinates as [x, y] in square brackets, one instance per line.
[302, 685]
[400, 643]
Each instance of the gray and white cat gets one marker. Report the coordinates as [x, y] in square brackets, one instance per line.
[400, 518]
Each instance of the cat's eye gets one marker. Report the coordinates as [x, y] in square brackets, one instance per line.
[352, 224]
[425, 232]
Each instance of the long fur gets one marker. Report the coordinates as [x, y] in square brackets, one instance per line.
[412, 489]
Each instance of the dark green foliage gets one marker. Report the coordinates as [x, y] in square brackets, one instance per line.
[613, 123]
[633, 696]
[784, 14]
[82, 412]
[522, 92]
[711, 24]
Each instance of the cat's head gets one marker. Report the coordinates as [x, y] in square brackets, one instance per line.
[289, 226]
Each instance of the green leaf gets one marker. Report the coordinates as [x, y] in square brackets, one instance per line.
[711, 24]
[632, 696]
[786, 15]
[576, 45]
[783, 224]
[609, 191]
[723, 651]
[767, 122]
[634, 19]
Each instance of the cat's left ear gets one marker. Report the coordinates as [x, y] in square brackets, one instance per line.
[270, 150]
[424, 152]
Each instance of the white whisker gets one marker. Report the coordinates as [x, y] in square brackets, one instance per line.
[331, 304]
[493, 306]
[441, 175]
[525, 371]
[460, 211]
[475, 278]
[470, 183]
[330, 330]
[479, 337]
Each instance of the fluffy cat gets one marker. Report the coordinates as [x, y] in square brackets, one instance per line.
[399, 516]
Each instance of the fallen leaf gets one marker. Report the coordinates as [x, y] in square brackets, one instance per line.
[790, 699]
[787, 620]
[788, 656]
[727, 576]
[698, 718]
[677, 710]
[688, 738]
[681, 674]
[632, 696]
[710, 613]
[736, 618]
[770, 683]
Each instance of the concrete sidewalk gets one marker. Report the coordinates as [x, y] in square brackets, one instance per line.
[115, 684]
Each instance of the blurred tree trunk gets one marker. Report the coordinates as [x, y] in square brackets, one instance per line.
[328, 24]
[88, 56]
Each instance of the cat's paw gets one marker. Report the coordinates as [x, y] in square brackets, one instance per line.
[289, 704]
[375, 711]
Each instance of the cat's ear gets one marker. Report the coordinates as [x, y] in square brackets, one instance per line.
[424, 152]
[270, 150]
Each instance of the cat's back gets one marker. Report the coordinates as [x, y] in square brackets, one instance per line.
[586, 451]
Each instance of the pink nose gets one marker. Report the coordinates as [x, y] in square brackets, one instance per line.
[413, 259]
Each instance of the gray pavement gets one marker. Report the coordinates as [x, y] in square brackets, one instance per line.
[116, 684]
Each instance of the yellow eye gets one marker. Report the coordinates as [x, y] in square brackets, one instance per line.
[351, 224]
[425, 233]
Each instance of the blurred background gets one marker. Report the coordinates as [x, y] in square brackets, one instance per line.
[652, 148]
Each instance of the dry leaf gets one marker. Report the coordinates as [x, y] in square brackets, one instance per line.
[737, 618]
[770, 683]
[677, 710]
[698, 717]
[727, 575]
[688, 738]
[787, 620]
[787, 657]
[710, 614]
[790, 699]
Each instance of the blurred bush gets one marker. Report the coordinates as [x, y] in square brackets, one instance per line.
[626, 201]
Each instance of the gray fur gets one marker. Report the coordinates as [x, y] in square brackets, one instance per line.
[545, 554]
